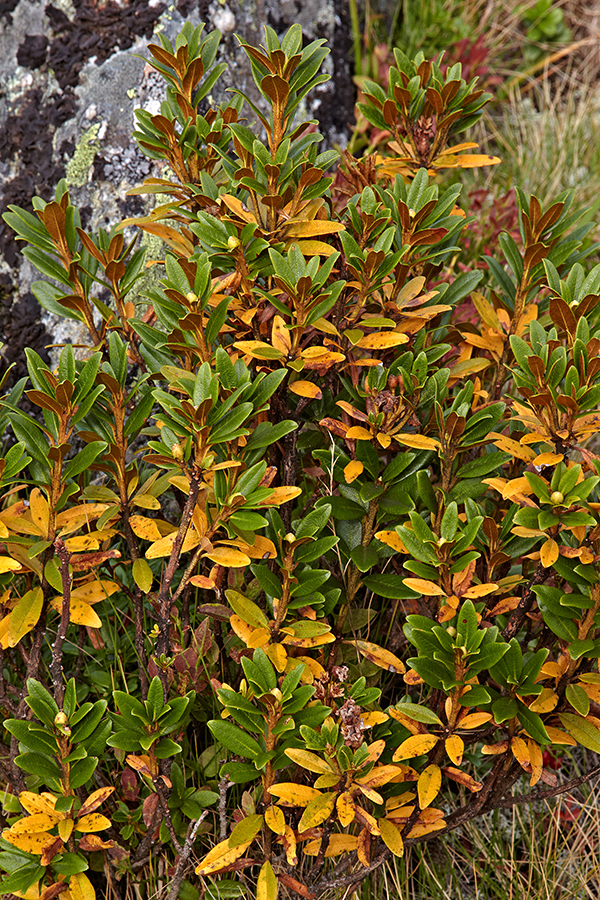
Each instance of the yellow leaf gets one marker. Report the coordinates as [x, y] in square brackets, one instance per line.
[549, 553]
[142, 575]
[221, 856]
[520, 751]
[81, 613]
[25, 616]
[317, 811]
[145, 528]
[313, 227]
[421, 829]
[382, 340]
[378, 776]
[479, 590]
[33, 824]
[380, 657]
[428, 785]
[326, 781]
[370, 719]
[8, 565]
[309, 761]
[65, 828]
[80, 887]
[536, 759]
[275, 819]
[544, 702]
[280, 335]
[306, 389]
[92, 822]
[422, 586]
[291, 794]
[165, 545]
[95, 799]
[345, 808]
[338, 843]
[266, 886]
[391, 836]
[384, 440]
[455, 748]
[258, 349]
[40, 803]
[278, 656]
[358, 433]
[316, 248]
[418, 441]
[416, 745]
[29, 843]
[353, 470]
[40, 512]
[560, 737]
[392, 540]
[280, 495]
[474, 720]
[95, 591]
[289, 844]
[229, 557]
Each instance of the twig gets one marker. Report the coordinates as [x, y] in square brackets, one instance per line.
[534, 796]
[224, 784]
[525, 604]
[163, 798]
[56, 668]
[183, 856]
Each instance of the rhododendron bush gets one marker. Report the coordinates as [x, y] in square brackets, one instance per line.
[300, 554]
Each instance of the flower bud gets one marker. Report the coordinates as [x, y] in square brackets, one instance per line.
[61, 719]
[177, 451]
[451, 631]
[233, 242]
[556, 498]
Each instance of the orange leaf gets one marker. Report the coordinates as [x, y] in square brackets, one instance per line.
[353, 470]
[418, 441]
[382, 340]
[306, 389]
[292, 794]
[380, 657]
[358, 433]
[422, 586]
[392, 540]
[462, 778]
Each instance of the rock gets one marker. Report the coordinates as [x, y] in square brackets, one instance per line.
[72, 73]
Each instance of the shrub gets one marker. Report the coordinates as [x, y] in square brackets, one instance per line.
[297, 563]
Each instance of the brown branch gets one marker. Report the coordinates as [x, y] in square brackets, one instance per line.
[184, 856]
[56, 667]
[534, 796]
[165, 601]
[163, 798]
[525, 603]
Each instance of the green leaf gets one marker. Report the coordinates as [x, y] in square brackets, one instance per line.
[364, 558]
[234, 739]
[583, 732]
[419, 713]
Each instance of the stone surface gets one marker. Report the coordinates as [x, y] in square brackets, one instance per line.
[71, 74]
